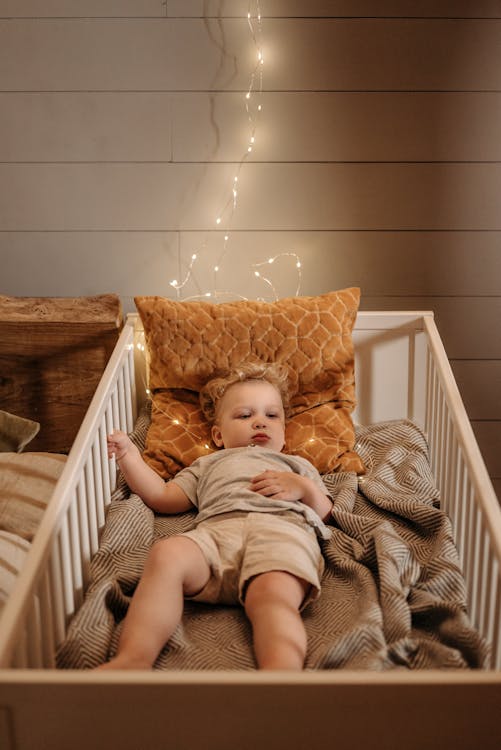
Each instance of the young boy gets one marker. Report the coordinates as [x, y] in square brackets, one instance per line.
[255, 542]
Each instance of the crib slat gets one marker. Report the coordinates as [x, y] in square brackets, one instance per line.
[462, 516]
[84, 531]
[121, 401]
[472, 555]
[90, 498]
[455, 485]
[110, 425]
[76, 552]
[98, 482]
[490, 599]
[21, 655]
[56, 594]
[130, 417]
[428, 395]
[115, 409]
[48, 627]
[66, 568]
[494, 630]
[104, 462]
[35, 657]
[449, 456]
[483, 582]
[437, 413]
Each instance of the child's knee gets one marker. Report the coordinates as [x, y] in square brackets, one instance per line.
[170, 551]
[182, 560]
[275, 587]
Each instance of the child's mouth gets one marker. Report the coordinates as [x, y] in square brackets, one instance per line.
[261, 437]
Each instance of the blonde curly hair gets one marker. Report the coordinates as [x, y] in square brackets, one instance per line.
[214, 390]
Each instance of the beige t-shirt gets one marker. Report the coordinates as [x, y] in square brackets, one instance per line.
[220, 483]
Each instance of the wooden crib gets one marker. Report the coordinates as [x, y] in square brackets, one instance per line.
[402, 371]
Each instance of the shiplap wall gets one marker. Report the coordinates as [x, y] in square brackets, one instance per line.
[377, 158]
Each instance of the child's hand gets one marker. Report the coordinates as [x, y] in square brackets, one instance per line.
[281, 485]
[119, 444]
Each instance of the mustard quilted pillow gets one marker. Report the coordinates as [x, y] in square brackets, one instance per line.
[190, 342]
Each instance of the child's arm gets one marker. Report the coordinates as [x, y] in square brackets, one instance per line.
[287, 485]
[161, 496]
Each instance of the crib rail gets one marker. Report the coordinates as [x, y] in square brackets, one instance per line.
[466, 493]
[50, 587]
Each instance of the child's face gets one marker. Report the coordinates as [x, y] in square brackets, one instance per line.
[250, 413]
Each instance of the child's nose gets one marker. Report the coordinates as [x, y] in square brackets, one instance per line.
[259, 421]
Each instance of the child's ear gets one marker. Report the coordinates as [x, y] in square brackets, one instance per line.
[216, 436]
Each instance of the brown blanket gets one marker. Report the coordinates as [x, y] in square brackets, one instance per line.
[392, 594]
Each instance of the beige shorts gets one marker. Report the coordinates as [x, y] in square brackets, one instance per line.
[241, 547]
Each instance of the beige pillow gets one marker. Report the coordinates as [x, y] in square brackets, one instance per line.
[13, 552]
[190, 342]
[27, 481]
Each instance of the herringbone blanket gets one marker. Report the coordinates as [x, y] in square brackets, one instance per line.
[392, 594]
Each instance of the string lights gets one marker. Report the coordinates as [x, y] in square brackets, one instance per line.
[224, 218]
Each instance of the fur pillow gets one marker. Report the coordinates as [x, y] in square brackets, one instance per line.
[190, 342]
[16, 432]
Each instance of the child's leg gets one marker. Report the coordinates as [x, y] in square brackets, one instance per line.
[272, 604]
[175, 568]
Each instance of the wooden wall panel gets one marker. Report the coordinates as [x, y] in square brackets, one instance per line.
[191, 196]
[293, 127]
[81, 8]
[468, 325]
[488, 436]
[239, 8]
[340, 126]
[480, 384]
[332, 8]
[85, 127]
[418, 265]
[186, 54]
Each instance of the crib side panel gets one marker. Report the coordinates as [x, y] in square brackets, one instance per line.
[402, 371]
[51, 586]
[221, 712]
[466, 494]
